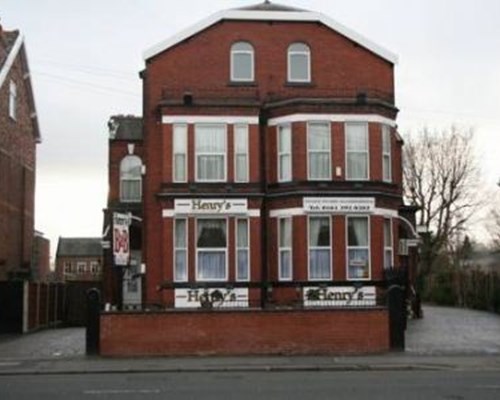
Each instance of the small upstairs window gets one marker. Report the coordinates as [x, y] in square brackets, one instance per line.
[299, 63]
[12, 99]
[130, 179]
[242, 62]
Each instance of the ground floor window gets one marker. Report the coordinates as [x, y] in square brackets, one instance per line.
[211, 249]
[319, 248]
[388, 261]
[180, 250]
[242, 250]
[285, 249]
[358, 250]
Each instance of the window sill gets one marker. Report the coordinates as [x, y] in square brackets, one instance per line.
[299, 84]
[242, 83]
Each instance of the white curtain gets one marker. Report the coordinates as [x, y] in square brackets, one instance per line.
[319, 264]
[211, 265]
[357, 150]
[242, 261]
[180, 265]
[358, 248]
[285, 264]
[319, 248]
[211, 245]
[210, 151]
[130, 178]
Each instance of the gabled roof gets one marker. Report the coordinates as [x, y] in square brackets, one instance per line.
[268, 11]
[13, 47]
[79, 247]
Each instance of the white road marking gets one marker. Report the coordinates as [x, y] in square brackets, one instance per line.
[121, 391]
[9, 363]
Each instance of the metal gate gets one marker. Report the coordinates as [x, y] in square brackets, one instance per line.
[11, 307]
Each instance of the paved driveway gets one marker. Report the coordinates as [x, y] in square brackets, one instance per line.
[446, 330]
[46, 344]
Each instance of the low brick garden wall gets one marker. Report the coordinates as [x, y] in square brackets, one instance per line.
[245, 332]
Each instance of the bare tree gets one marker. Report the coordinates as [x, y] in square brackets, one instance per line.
[441, 177]
[494, 228]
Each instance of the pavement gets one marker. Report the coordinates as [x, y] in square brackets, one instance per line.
[446, 339]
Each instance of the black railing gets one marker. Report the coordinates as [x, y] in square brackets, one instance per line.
[271, 295]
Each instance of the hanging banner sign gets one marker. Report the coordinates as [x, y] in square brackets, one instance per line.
[121, 239]
[211, 206]
[341, 205]
[339, 296]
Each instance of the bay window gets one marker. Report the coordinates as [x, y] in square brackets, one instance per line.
[318, 151]
[319, 248]
[285, 249]
[180, 153]
[358, 248]
[210, 147]
[242, 250]
[284, 153]
[180, 250]
[241, 153]
[386, 154]
[211, 249]
[357, 151]
[388, 254]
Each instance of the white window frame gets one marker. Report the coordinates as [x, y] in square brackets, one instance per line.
[329, 247]
[279, 130]
[81, 267]
[176, 137]
[136, 179]
[310, 151]
[367, 151]
[236, 129]
[252, 61]
[223, 153]
[386, 153]
[389, 248]
[94, 267]
[68, 267]
[212, 249]
[245, 248]
[13, 100]
[177, 248]
[291, 53]
[358, 247]
[285, 249]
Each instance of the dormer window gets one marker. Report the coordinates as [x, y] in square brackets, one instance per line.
[12, 99]
[242, 62]
[299, 63]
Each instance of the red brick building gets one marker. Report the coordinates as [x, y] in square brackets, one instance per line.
[79, 259]
[273, 162]
[19, 135]
[123, 285]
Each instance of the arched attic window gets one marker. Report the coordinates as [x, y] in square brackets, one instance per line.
[130, 179]
[242, 62]
[299, 63]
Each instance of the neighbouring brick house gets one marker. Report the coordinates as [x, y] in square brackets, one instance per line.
[272, 189]
[19, 135]
[79, 259]
[125, 160]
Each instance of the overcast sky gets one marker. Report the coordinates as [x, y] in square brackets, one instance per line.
[85, 56]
